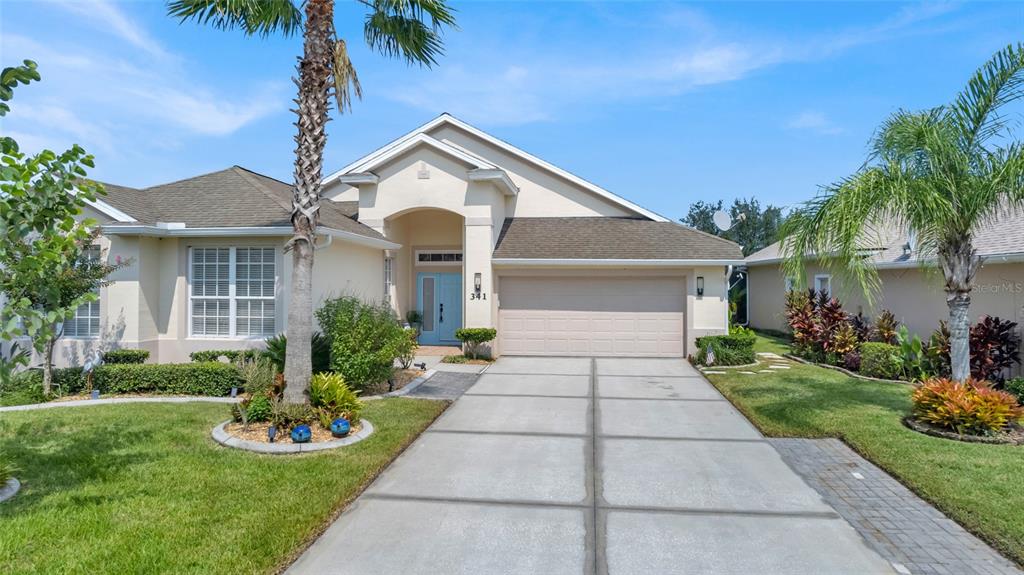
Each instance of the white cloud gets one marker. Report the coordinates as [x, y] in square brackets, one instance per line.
[686, 53]
[814, 121]
[109, 18]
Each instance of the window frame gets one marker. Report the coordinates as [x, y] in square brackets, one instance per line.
[232, 297]
[99, 309]
[457, 252]
[389, 277]
[825, 277]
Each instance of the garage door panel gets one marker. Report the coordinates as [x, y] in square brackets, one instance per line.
[592, 316]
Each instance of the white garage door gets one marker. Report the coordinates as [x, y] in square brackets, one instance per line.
[600, 316]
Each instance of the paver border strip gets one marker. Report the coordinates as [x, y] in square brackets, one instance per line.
[10, 489]
[119, 400]
[223, 438]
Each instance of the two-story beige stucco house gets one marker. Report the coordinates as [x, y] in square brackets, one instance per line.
[448, 220]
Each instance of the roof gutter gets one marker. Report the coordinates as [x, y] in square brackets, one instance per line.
[169, 230]
[543, 262]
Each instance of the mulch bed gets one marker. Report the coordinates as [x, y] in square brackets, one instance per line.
[258, 432]
[1013, 436]
[400, 378]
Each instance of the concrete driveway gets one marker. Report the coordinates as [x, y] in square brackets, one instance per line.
[580, 465]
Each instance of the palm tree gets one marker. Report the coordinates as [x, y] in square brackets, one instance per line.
[939, 174]
[407, 29]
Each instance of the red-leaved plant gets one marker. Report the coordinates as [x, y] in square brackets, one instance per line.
[972, 407]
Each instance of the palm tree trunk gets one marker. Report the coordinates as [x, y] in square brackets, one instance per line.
[959, 263]
[314, 85]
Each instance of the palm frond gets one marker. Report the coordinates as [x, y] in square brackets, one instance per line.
[408, 29]
[346, 82]
[254, 17]
[997, 83]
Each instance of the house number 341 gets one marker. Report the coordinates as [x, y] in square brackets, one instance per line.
[477, 296]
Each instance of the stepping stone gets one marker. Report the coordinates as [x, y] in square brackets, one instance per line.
[715, 372]
[748, 373]
[779, 367]
[765, 371]
[769, 354]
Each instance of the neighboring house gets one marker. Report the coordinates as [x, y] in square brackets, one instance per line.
[447, 220]
[912, 291]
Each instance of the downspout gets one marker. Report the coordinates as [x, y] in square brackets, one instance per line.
[728, 288]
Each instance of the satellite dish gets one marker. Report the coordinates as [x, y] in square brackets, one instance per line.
[722, 220]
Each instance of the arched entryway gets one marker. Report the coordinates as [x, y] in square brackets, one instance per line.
[426, 273]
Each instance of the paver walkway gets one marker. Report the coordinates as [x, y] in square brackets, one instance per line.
[577, 465]
[901, 526]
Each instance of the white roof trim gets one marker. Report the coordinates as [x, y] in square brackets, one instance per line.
[529, 262]
[406, 144]
[162, 231]
[499, 177]
[449, 119]
[358, 178]
[110, 210]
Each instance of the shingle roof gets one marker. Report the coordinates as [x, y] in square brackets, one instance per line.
[609, 238]
[1000, 235]
[234, 197]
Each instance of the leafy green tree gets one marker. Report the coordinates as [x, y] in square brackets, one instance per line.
[939, 173]
[406, 29]
[752, 227]
[42, 237]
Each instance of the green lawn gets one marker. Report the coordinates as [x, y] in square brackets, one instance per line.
[980, 486]
[141, 488]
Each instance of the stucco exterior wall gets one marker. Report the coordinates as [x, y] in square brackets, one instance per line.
[541, 193]
[915, 296]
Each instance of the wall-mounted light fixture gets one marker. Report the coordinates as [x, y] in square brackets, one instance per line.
[477, 283]
[700, 286]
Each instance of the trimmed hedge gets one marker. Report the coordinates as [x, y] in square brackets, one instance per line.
[200, 378]
[733, 349]
[231, 355]
[881, 360]
[125, 356]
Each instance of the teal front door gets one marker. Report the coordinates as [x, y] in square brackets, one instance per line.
[439, 299]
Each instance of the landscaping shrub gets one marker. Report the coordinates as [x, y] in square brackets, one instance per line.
[365, 339]
[971, 407]
[851, 361]
[844, 341]
[207, 378]
[320, 350]
[454, 359]
[257, 375]
[285, 416]
[474, 337]
[125, 356]
[995, 347]
[1016, 387]
[732, 349]
[407, 350]
[231, 355]
[801, 319]
[332, 398]
[915, 359]
[881, 360]
[886, 328]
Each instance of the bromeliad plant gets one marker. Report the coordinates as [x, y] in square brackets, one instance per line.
[970, 407]
[940, 174]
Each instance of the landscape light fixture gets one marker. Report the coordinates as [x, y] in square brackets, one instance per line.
[271, 433]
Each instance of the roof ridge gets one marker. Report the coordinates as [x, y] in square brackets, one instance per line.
[190, 178]
[247, 176]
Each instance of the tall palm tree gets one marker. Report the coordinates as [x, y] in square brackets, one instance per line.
[938, 173]
[407, 29]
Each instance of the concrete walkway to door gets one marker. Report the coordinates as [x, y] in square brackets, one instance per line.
[579, 465]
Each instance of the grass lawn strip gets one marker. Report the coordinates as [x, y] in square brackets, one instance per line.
[142, 488]
[977, 485]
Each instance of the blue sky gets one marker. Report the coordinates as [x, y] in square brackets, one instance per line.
[662, 103]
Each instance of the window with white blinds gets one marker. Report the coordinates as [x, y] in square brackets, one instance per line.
[232, 292]
[86, 321]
